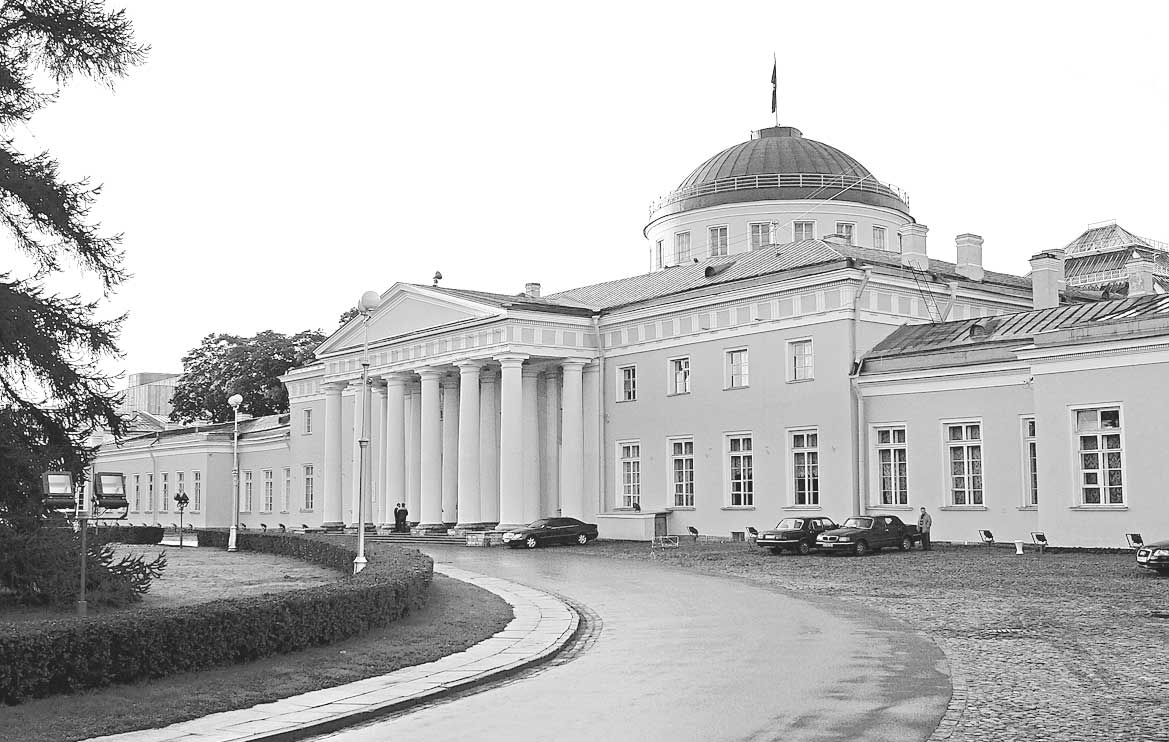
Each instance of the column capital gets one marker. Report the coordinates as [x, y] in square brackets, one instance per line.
[573, 363]
[334, 387]
[488, 375]
[450, 381]
[397, 380]
[511, 360]
[471, 366]
[378, 384]
[531, 372]
[430, 372]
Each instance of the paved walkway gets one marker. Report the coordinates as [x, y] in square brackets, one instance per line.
[542, 624]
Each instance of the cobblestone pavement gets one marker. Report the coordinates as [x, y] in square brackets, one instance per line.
[1054, 647]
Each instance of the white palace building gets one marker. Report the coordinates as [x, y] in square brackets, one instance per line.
[793, 350]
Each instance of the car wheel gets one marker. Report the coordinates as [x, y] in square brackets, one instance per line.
[582, 539]
[804, 548]
[530, 542]
[860, 549]
[906, 543]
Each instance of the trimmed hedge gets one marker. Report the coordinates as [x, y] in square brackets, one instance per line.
[57, 656]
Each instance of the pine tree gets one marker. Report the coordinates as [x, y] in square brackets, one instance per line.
[52, 391]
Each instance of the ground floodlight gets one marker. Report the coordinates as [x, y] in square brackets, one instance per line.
[57, 487]
[1039, 538]
[1135, 541]
[986, 536]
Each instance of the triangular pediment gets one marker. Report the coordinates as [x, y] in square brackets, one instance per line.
[405, 310]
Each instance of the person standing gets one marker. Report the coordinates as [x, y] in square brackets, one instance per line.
[923, 525]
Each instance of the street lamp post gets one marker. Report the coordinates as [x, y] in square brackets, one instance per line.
[234, 400]
[369, 302]
[182, 500]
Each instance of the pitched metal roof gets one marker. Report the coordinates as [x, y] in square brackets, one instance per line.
[1109, 236]
[517, 301]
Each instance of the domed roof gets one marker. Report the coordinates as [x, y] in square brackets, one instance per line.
[779, 149]
[778, 163]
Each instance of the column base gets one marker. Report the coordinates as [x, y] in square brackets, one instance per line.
[462, 529]
[333, 526]
[428, 529]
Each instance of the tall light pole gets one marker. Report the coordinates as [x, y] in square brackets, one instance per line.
[235, 401]
[369, 302]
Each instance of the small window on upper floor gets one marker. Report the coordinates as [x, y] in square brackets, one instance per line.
[879, 242]
[760, 235]
[628, 378]
[804, 231]
[308, 422]
[737, 369]
[682, 247]
[846, 230]
[718, 241]
[800, 366]
[659, 257]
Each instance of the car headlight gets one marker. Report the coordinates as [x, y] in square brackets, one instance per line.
[1161, 552]
[845, 538]
[510, 536]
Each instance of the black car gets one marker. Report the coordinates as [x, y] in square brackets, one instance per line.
[797, 534]
[551, 531]
[861, 534]
[1154, 556]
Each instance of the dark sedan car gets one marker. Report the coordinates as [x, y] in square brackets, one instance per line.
[797, 534]
[864, 533]
[1154, 556]
[551, 531]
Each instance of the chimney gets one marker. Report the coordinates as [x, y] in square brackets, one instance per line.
[1046, 278]
[532, 290]
[1138, 271]
[969, 256]
[913, 255]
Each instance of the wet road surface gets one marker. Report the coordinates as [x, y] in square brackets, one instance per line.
[674, 655]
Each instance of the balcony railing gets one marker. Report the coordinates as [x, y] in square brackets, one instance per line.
[832, 185]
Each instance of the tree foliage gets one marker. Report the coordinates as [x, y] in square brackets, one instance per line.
[224, 365]
[52, 393]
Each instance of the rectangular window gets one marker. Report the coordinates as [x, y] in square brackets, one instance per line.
[846, 230]
[286, 490]
[682, 471]
[628, 376]
[800, 355]
[1030, 463]
[1101, 456]
[630, 474]
[893, 463]
[806, 466]
[149, 492]
[308, 486]
[246, 506]
[741, 471]
[269, 492]
[737, 368]
[879, 238]
[165, 495]
[682, 247]
[804, 231]
[680, 375]
[964, 455]
[137, 493]
[718, 241]
[308, 422]
[760, 235]
[659, 256]
[197, 491]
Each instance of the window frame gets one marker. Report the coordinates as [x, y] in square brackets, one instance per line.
[286, 490]
[728, 470]
[791, 344]
[898, 496]
[249, 491]
[149, 493]
[625, 394]
[180, 482]
[1029, 453]
[766, 234]
[851, 231]
[628, 492]
[268, 491]
[671, 376]
[798, 225]
[659, 255]
[196, 491]
[306, 421]
[1078, 471]
[722, 250]
[947, 460]
[729, 368]
[164, 492]
[672, 472]
[308, 478]
[884, 233]
[679, 258]
[137, 502]
[793, 468]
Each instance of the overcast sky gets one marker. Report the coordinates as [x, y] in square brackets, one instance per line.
[273, 160]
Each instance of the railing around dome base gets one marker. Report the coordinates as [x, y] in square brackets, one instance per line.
[842, 183]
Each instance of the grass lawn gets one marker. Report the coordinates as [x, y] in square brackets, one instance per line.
[456, 617]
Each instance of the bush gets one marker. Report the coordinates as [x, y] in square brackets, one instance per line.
[40, 659]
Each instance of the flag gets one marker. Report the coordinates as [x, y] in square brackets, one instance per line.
[773, 85]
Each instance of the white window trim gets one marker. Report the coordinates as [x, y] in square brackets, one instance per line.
[709, 230]
[619, 499]
[790, 357]
[621, 382]
[137, 501]
[790, 468]
[247, 492]
[670, 492]
[659, 256]
[875, 468]
[305, 507]
[267, 480]
[670, 390]
[196, 500]
[678, 259]
[727, 367]
[847, 224]
[306, 421]
[1074, 442]
[947, 485]
[285, 489]
[1025, 460]
[164, 492]
[803, 221]
[885, 233]
[767, 229]
[725, 464]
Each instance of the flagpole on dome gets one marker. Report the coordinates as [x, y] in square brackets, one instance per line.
[774, 87]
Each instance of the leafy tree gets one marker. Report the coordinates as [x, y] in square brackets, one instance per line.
[347, 315]
[52, 392]
[224, 365]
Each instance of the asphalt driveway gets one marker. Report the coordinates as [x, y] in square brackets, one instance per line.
[685, 656]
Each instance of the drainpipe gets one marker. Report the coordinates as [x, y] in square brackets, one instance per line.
[600, 414]
[856, 409]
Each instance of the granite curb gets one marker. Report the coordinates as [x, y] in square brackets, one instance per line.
[542, 625]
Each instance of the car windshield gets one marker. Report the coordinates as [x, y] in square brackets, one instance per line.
[538, 523]
[790, 524]
[858, 523]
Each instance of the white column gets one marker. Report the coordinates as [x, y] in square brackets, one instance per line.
[489, 447]
[450, 450]
[333, 498]
[414, 455]
[395, 449]
[470, 512]
[572, 475]
[431, 439]
[591, 489]
[511, 442]
[377, 449]
[550, 450]
[531, 437]
[355, 453]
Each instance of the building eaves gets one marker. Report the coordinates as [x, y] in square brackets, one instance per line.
[506, 301]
